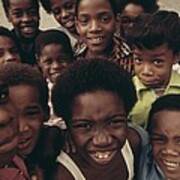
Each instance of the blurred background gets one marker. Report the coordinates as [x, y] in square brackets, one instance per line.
[48, 21]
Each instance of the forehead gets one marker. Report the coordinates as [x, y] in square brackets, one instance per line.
[94, 6]
[97, 105]
[61, 2]
[157, 51]
[24, 94]
[21, 4]
[167, 122]
[52, 47]
[133, 10]
[6, 40]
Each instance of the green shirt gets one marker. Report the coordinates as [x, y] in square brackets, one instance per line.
[146, 96]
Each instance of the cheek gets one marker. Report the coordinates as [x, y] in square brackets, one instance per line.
[80, 139]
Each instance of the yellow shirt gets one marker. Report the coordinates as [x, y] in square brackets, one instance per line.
[146, 96]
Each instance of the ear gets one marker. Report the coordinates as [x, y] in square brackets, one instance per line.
[176, 58]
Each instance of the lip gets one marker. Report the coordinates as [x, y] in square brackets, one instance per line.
[28, 29]
[170, 165]
[96, 40]
[102, 157]
[24, 143]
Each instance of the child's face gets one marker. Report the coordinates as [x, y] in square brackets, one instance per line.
[53, 61]
[165, 141]
[25, 18]
[98, 126]
[96, 24]
[8, 128]
[153, 67]
[8, 50]
[26, 99]
[64, 13]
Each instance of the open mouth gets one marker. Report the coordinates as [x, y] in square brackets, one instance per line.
[28, 29]
[96, 40]
[171, 165]
[24, 143]
[102, 157]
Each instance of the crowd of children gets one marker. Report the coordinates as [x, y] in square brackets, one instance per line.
[96, 98]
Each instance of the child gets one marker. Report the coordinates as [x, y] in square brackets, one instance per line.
[130, 9]
[161, 159]
[64, 13]
[24, 16]
[54, 55]
[29, 93]
[155, 50]
[94, 96]
[96, 25]
[8, 48]
[11, 165]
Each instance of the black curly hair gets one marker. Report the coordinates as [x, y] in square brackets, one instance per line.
[87, 75]
[168, 102]
[152, 30]
[6, 5]
[17, 73]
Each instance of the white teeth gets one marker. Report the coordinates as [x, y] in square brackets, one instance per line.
[97, 40]
[171, 165]
[103, 155]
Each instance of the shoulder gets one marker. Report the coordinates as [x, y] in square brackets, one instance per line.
[137, 137]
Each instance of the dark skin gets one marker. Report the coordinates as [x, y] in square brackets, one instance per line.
[99, 131]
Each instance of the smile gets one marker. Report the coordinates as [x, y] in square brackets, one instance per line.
[103, 157]
[171, 165]
[96, 40]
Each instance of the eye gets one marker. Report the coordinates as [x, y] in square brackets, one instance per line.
[117, 122]
[32, 112]
[158, 62]
[4, 93]
[33, 12]
[1, 52]
[83, 20]
[14, 50]
[56, 11]
[158, 140]
[82, 125]
[137, 60]
[47, 61]
[17, 14]
[105, 18]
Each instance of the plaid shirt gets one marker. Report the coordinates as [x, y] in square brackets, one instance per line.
[120, 54]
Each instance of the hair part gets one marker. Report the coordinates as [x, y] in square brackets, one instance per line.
[88, 75]
[168, 102]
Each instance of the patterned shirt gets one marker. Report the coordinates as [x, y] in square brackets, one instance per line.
[120, 54]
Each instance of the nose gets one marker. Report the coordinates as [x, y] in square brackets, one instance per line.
[26, 17]
[95, 26]
[64, 14]
[9, 57]
[23, 125]
[55, 65]
[169, 149]
[102, 138]
[146, 70]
